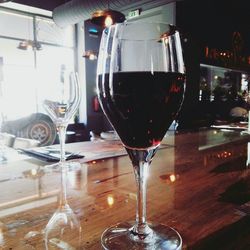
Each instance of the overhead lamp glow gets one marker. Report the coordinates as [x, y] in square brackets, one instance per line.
[90, 54]
[108, 21]
[29, 44]
[105, 18]
[25, 45]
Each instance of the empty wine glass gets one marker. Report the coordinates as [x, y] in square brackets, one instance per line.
[63, 104]
[63, 225]
[140, 83]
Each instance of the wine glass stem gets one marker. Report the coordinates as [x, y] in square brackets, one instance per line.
[63, 193]
[141, 160]
[62, 138]
[141, 173]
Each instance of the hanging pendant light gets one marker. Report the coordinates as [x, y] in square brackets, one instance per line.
[106, 18]
[25, 45]
[28, 44]
[90, 54]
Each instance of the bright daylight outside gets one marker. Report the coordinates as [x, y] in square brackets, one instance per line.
[26, 72]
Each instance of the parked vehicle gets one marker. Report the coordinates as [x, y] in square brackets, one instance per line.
[36, 126]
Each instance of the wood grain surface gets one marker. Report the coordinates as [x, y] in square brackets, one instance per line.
[197, 184]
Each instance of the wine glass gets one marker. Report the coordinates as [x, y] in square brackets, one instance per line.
[63, 104]
[63, 225]
[140, 85]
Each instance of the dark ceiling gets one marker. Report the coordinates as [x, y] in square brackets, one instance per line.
[44, 4]
[213, 22]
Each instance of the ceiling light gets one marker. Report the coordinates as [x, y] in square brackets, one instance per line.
[29, 44]
[108, 21]
[105, 18]
[90, 54]
[25, 45]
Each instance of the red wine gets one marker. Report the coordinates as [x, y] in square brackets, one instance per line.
[141, 105]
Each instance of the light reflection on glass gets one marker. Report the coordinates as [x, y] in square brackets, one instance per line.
[169, 178]
[2, 242]
[224, 155]
[33, 171]
[248, 155]
[110, 200]
[172, 178]
[78, 177]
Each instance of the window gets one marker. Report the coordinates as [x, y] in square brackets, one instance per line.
[224, 83]
[23, 72]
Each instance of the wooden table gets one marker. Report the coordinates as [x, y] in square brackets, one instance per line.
[197, 184]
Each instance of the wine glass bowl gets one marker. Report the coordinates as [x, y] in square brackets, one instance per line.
[140, 85]
[64, 104]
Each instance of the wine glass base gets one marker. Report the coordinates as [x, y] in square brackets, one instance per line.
[33, 238]
[121, 237]
[58, 166]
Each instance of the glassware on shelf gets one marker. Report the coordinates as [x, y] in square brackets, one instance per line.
[140, 84]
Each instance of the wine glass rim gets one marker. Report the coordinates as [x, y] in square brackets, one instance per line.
[140, 22]
[145, 22]
[171, 29]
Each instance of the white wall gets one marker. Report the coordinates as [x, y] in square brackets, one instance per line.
[165, 13]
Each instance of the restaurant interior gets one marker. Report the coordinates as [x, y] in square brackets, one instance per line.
[71, 173]
[215, 49]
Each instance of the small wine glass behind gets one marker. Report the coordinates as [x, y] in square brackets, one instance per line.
[63, 230]
[63, 104]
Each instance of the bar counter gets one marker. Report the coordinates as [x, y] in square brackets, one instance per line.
[199, 184]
